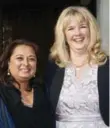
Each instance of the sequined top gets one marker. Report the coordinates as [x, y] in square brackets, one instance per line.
[78, 105]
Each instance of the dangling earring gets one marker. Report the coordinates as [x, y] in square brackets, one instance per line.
[8, 73]
[34, 76]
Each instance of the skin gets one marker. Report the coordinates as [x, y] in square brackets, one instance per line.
[22, 66]
[22, 63]
[77, 36]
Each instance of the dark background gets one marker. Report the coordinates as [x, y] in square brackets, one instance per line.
[35, 21]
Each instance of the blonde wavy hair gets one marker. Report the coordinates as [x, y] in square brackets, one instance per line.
[59, 50]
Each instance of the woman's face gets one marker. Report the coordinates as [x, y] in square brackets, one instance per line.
[77, 35]
[22, 63]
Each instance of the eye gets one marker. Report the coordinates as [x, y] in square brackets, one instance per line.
[83, 26]
[70, 28]
[19, 58]
[32, 59]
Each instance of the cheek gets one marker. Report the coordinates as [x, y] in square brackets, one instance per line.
[87, 33]
[34, 66]
[34, 69]
[13, 68]
[14, 65]
[68, 36]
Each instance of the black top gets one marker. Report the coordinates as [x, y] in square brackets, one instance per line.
[39, 116]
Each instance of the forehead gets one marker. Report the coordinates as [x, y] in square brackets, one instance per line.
[76, 18]
[23, 49]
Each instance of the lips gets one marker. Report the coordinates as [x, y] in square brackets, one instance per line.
[78, 39]
[25, 70]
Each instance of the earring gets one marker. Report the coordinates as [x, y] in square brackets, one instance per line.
[34, 76]
[8, 73]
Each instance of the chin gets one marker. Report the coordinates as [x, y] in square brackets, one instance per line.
[26, 77]
[81, 50]
[81, 47]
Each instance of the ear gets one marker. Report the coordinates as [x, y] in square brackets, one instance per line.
[8, 64]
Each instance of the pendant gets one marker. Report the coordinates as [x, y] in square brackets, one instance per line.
[77, 69]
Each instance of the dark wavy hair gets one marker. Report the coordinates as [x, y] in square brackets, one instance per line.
[5, 57]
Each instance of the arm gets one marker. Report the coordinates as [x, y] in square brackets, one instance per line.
[49, 73]
[5, 117]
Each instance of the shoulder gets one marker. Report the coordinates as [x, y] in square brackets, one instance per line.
[103, 73]
[3, 88]
[51, 65]
[50, 71]
[107, 62]
[105, 66]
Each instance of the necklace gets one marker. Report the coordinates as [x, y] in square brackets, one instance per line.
[78, 67]
[25, 103]
[25, 98]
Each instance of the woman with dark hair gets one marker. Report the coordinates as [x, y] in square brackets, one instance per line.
[24, 97]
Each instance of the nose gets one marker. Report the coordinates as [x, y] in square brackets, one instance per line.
[25, 62]
[77, 31]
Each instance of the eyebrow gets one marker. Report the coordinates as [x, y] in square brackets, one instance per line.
[32, 56]
[83, 23]
[70, 26]
[23, 55]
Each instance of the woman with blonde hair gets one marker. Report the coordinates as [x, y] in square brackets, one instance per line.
[80, 83]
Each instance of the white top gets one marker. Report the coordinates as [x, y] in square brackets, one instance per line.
[78, 105]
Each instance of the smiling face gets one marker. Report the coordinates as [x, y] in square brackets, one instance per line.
[22, 63]
[77, 35]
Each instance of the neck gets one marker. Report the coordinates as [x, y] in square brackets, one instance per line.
[22, 86]
[79, 60]
[78, 56]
